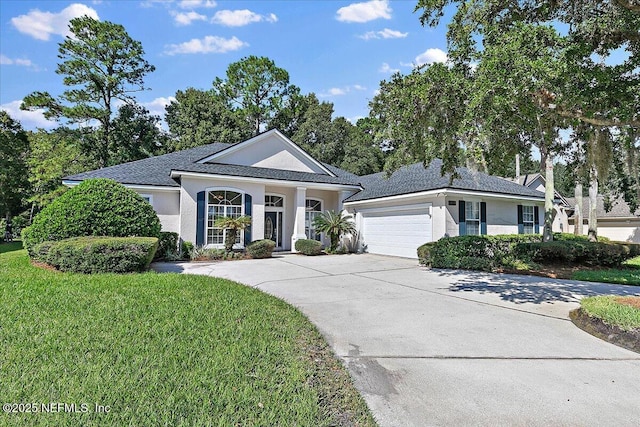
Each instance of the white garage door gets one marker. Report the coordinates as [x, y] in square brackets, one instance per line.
[398, 232]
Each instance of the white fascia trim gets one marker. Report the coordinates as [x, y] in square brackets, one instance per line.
[71, 183]
[296, 184]
[444, 192]
[260, 137]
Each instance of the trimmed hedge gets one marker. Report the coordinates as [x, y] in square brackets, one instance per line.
[95, 207]
[261, 248]
[167, 245]
[489, 253]
[98, 254]
[308, 247]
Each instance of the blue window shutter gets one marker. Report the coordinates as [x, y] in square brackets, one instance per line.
[462, 216]
[536, 219]
[520, 220]
[200, 218]
[483, 218]
[247, 211]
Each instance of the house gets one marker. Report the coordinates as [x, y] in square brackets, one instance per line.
[283, 189]
[618, 224]
[563, 209]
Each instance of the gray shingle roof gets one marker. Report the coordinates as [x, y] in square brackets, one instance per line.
[619, 209]
[416, 178]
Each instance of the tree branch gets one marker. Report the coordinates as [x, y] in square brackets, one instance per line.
[635, 122]
[629, 4]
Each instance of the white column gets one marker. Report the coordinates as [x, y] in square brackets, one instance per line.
[341, 196]
[298, 224]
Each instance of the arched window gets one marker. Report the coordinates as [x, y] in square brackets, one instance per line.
[222, 203]
[313, 209]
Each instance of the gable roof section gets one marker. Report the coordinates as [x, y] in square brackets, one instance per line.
[416, 178]
[528, 180]
[619, 208]
[292, 148]
[153, 170]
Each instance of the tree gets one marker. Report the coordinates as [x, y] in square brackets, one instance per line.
[135, 135]
[199, 117]
[316, 133]
[362, 156]
[101, 63]
[232, 226]
[257, 88]
[14, 148]
[335, 225]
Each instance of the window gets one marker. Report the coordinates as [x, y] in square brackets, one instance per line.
[528, 219]
[220, 204]
[147, 198]
[273, 201]
[313, 209]
[472, 217]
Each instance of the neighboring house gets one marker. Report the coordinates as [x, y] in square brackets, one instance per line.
[618, 224]
[560, 204]
[283, 189]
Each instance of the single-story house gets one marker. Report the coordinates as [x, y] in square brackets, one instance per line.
[619, 224]
[283, 188]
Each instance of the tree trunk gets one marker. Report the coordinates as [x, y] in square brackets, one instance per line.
[578, 218]
[549, 195]
[593, 200]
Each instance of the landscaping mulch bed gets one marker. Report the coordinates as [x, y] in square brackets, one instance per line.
[610, 333]
[556, 271]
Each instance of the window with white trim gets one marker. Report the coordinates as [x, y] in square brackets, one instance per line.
[472, 217]
[273, 201]
[220, 204]
[528, 219]
[313, 208]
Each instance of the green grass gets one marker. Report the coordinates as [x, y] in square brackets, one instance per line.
[163, 349]
[630, 275]
[605, 308]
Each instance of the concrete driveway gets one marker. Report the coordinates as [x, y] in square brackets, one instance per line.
[435, 347]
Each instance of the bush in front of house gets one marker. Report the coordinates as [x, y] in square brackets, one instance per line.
[186, 249]
[167, 246]
[95, 207]
[308, 247]
[576, 237]
[606, 254]
[261, 248]
[98, 254]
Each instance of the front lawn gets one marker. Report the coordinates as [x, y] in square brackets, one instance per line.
[623, 312]
[162, 349]
[629, 275]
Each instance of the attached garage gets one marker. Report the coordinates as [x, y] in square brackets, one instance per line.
[397, 231]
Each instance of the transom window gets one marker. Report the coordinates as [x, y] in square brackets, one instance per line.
[273, 201]
[528, 219]
[220, 204]
[472, 217]
[313, 209]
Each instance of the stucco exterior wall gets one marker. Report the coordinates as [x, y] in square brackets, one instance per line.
[167, 207]
[621, 231]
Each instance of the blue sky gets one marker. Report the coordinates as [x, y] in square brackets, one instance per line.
[338, 49]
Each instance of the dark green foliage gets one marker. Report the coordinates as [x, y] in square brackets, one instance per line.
[335, 225]
[187, 250]
[308, 247]
[579, 238]
[167, 245]
[473, 252]
[14, 148]
[261, 248]
[578, 252]
[96, 207]
[91, 255]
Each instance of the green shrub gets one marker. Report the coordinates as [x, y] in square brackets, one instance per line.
[100, 254]
[96, 207]
[308, 247]
[187, 250]
[579, 252]
[261, 248]
[201, 253]
[167, 245]
[573, 237]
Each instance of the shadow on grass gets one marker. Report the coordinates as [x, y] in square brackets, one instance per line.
[530, 289]
[10, 247]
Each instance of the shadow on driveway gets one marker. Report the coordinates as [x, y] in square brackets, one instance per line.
[531, 289]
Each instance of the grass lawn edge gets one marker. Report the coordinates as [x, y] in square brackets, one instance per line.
[613, 334]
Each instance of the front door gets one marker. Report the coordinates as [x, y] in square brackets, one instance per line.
[273, 227]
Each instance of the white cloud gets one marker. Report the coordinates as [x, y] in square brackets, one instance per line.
[336, 91]
[28, 119]
[5, 60]
[339, 91]
[186, 18]
[208, 44]
[150, 3]
[430, 56]
[240, 18]
[359, 87]
[384, 34]
[386, 68]
[41, 25]
[194, 4]
[157, 106]
[364, 12]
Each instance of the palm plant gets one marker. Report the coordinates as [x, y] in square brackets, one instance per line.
[335, 225]
[231, 226]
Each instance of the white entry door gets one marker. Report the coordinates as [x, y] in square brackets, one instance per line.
[397, 232]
